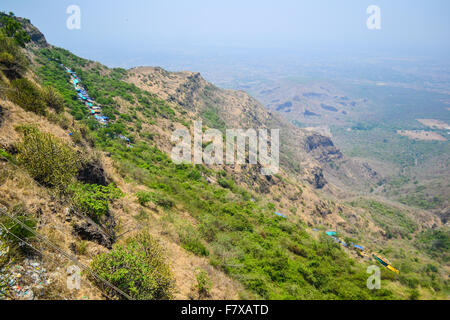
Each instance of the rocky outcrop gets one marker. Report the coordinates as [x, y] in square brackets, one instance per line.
[323, 209]
[37, 38]
[371, 172]
[186, 92]
[322, 148]
[317, 179]
[93, 173]
[92, 232]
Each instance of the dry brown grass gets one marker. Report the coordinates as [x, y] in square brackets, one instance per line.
[421, 135]
[434, 124]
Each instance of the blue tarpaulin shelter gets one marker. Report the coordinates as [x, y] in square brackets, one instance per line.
[280, 215]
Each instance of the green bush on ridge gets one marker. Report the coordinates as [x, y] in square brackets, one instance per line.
[27, 95]
[138, 268]
[48, 160]
[93, 200]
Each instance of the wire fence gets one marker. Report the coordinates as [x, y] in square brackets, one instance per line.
[69, 256]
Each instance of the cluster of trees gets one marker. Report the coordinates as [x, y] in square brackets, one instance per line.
[13, 67]
[13, 29]
[13, 62]
[48, 160]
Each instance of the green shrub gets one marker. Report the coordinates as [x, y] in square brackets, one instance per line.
[203, 285]
[5, 154]
[194, 175]
[48, 160]
[13, 62]
[164, 201]
[435, 242]
[81, 247]
[138, 268]
[414, 295]
[144, 197]
[27, 95]
[161, 200]
[93, 200]
[53, 99]
[13, 29]
[191, 242]
[226, 183]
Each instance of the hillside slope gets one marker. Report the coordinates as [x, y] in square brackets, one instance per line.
[217, 225]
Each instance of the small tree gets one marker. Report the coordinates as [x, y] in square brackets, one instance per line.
[144, 197]
[26, 94]
[203, 285]
[92, 199]
[53, 99]
[13, 62]
[13, 29]
[48, 160]
[138, 268]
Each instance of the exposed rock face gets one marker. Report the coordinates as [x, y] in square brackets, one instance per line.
[93, 173]
[323, 209]
[37, 37]
[317, 179]
[372, 173]
[91, 232]
[188, 91]
[322, 148]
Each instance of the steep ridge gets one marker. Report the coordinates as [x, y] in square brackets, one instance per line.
[304, 153]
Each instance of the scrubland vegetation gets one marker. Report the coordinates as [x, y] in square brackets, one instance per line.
[271, 257]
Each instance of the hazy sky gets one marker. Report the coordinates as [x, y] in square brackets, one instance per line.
[117, 30]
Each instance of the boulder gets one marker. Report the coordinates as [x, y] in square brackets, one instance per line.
[93, 173]
[92, 232]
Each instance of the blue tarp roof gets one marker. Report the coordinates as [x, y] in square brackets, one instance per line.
[280, 215]
[339, 241]
[358, 246]
[331, 233]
